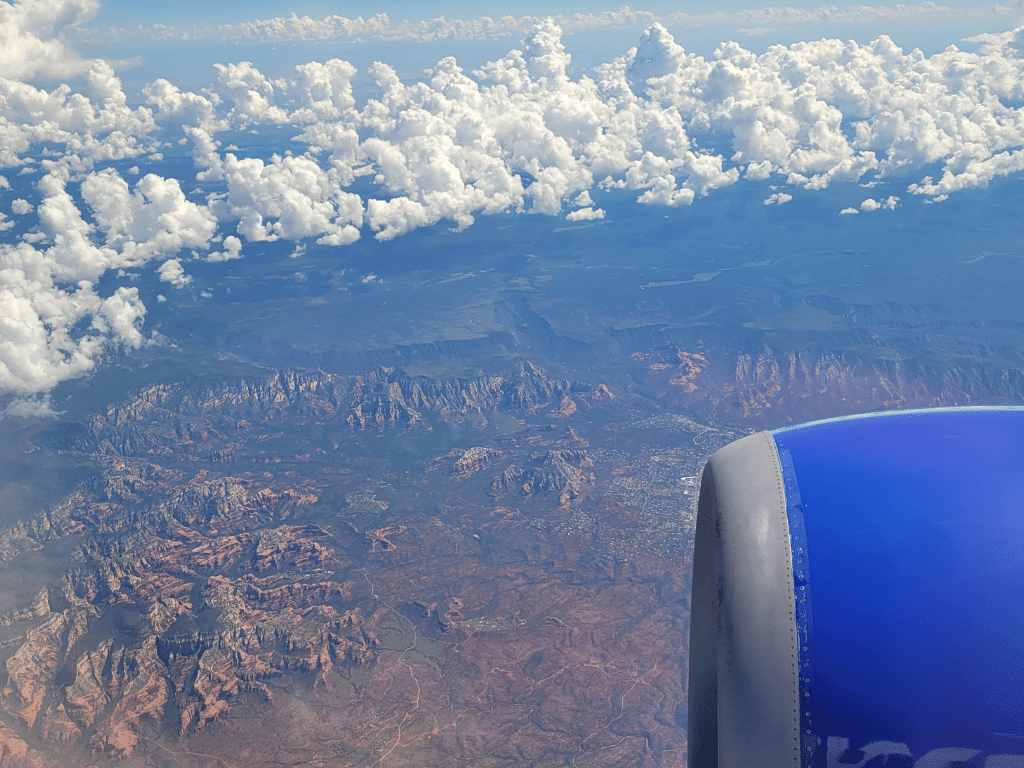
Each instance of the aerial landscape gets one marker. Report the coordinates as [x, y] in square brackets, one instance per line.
[357, 371]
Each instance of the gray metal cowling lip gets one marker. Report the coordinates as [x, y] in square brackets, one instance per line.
[744, 656]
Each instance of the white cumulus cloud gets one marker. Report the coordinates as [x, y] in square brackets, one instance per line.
[888, 204]
[31, 37]
[232, 250]
[583, 199]
[172, 272]
[585, 214]
[522, 133]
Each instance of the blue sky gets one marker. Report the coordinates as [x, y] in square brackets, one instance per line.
[931, 31]
[119, 12]
[140, 58]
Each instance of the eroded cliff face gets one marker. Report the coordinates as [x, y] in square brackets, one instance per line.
[167, 420]
[770, 387]
[199, 637]
[562, 473]
[191, 587]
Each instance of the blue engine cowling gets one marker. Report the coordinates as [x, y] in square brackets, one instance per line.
[858, 595]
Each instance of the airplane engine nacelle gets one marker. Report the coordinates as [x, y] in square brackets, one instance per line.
[858, 595]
